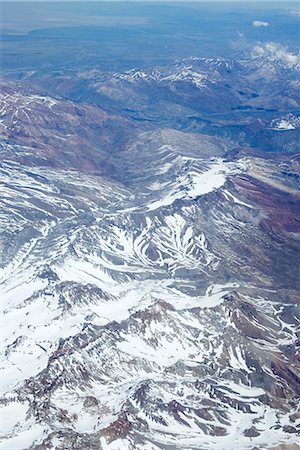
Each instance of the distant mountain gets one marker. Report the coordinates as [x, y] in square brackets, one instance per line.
[254, 82]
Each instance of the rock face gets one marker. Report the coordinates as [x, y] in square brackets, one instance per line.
[150, 272]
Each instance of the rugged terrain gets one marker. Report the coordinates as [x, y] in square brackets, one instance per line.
[150, 257]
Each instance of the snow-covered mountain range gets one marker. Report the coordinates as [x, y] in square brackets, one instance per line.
[150, 272]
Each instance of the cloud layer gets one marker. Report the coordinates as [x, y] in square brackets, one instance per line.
[277, 53]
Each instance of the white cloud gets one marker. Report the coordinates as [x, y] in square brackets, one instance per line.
[259, 23]
[295, 12]
[276, 52]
